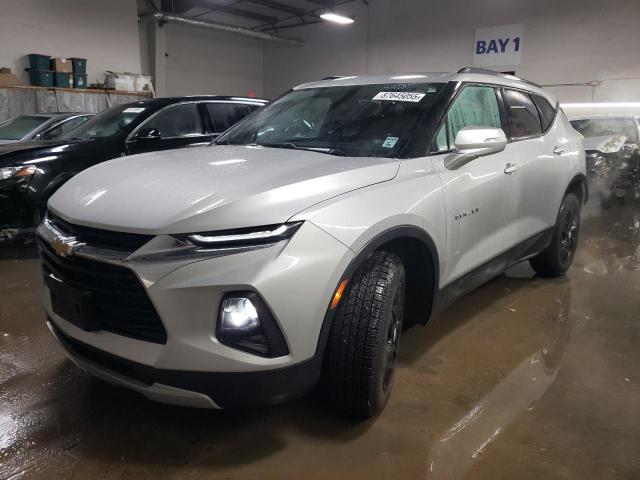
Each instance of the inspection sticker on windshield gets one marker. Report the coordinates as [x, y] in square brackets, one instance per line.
[400, 96]
[133, 110]
[390, 142]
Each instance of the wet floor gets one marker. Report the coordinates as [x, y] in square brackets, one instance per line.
[525, 378]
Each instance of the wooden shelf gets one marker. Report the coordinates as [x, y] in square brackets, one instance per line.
[79, 90]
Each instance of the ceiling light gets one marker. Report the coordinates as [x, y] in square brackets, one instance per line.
[335, 18]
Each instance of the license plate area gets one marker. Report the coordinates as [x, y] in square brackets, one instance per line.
[72, 304]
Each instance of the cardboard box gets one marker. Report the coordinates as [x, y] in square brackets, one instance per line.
[62, 65]
[8, 79]
[123, 82]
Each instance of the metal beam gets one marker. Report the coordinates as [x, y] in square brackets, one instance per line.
[298, 12]
[166, 17]
[324, 3]
[181, 6]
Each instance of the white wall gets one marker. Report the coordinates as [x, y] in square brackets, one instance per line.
[328, 49]
[568, 41]
[105, 32]
[202, 61]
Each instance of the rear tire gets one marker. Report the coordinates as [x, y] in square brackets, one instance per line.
[362, 348]
[556, 259]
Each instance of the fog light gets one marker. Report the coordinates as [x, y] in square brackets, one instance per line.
[246, 323]
[239, 315]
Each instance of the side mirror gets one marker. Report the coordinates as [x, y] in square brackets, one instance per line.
[473, 142]
[147, 133]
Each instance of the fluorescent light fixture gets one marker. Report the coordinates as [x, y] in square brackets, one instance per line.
[602, 105]
[408, 77]
[335, 18]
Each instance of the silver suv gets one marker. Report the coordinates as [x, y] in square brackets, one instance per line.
[295, 251]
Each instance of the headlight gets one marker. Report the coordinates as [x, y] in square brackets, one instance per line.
[242, 237]
[22, 171]
[214, 244]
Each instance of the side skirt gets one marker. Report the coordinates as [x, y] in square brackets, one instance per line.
[491, 269]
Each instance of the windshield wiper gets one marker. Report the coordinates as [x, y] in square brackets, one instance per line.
[293, 146]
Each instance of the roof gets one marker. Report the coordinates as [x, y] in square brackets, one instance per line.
[161, 101]
[464, 75]
[56, 114]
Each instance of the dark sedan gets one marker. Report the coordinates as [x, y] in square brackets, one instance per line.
[31, 171]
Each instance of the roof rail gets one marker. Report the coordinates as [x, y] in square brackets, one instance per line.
[485, 71]
[332, 77]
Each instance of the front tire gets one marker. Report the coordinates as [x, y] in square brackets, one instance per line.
[556, 259]
[362, 348]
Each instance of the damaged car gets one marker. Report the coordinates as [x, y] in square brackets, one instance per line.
[613, 155]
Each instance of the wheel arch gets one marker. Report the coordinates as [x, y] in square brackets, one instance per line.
[409, 243]
[579, 187]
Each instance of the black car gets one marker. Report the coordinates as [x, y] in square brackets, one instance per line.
[31, 171]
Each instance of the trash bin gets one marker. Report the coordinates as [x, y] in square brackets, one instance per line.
[79, 65]
[41, 78]
[39, 62]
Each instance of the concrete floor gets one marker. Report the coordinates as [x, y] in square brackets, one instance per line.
[524, 378]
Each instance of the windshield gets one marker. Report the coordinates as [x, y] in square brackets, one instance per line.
[599, 127]
[106, 124]
[18, 127]
[357, 121]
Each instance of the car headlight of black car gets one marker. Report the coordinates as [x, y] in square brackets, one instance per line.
[17, 172]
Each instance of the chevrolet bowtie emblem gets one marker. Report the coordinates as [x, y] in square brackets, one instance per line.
[65, 246]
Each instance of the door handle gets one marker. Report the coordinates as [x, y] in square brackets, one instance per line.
[558, 150]
[511, 167]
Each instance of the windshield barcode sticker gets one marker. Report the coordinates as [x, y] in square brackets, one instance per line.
[133, 110]
[400, 96]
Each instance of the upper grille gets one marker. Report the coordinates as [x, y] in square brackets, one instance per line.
[120, 301]
[99, 238]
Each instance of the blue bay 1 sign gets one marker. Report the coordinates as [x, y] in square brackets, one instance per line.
[498, 46]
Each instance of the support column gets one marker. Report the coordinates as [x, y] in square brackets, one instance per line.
[159, 48]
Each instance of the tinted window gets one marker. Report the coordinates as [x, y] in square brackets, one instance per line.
[64, 128]
[523, 114]
[107, 123]
[374, 120]
[475, 106]
[177, 121]
[547, 112]
[16, 128]
[225, 115]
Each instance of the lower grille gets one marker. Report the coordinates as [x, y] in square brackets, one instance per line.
[103, 359]
[120, 301]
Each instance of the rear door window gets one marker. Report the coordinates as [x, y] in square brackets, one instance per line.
[547, 112]
[522, 113]
[177, 121]
[225, 115]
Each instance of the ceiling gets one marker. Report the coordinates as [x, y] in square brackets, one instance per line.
[269, 16]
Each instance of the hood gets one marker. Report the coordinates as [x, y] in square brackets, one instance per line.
[210, 188]
[605, 144]
[19, 152]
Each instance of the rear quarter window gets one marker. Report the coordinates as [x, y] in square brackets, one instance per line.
[547, 112]
[522, 113]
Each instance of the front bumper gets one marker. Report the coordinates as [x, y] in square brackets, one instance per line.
[296, 279]
[193, 389]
